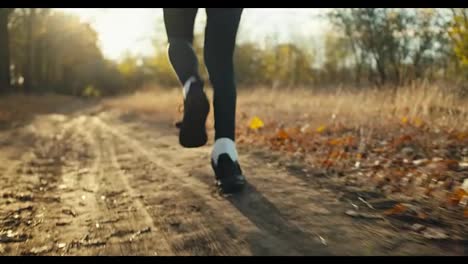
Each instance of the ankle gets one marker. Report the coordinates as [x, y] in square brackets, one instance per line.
[224, 146]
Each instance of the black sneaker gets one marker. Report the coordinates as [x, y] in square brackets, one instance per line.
[192, 132]
[228, 173]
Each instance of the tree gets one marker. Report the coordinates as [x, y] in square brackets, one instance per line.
[29, 64]
[58, 53]
[459, 35]
[338, 53]
[4, 50]
[397, 43]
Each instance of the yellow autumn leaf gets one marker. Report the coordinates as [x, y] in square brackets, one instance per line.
[404, 120]
[462, 136]
[321, 128]
[418, 122]
[256, 123]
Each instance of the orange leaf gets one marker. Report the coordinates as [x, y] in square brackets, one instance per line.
[451, 164]
[334, 154]
[334, 142]
[379, 150]
[327, 163]
[401, 140]
[461, 136]
[456, 197]
[397, 209]
[422, 216]
[350, 140]
[281, 134]
[465, 214]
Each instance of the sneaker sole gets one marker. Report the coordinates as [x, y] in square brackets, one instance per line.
[193, 127]
[230, 187]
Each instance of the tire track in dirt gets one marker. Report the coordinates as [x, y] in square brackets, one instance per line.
[94, 185]
[102, 227]
[178, 210]
[37, 177]
[134, 220]
[284, 208]
[273, 229]
[272, 234]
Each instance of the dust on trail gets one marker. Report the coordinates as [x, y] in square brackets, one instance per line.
[102, 182]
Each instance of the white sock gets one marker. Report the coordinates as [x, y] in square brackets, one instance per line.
[187, 85]
[224, 146]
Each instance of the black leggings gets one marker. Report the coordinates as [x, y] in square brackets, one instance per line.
[220, 39]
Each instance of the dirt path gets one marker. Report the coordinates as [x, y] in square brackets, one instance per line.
[107, 183]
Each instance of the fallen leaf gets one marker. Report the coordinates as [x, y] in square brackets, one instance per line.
[397, 209]
[256, 123]
[417, 122]
[403, 139]
[422, 216]
[334, 142]
[320, 129]
[404, 120]
[461, 136]
[305, 128]
[451, 164]
[327, 163]
[281, 134]
[457, 196]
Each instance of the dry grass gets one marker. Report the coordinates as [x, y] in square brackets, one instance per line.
[429, 103]
[19, 107]
[147, 101]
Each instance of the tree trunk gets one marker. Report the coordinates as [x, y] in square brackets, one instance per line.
[29, 67]
[4, 51]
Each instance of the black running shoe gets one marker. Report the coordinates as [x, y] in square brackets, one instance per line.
[228, 174]
[192, 132]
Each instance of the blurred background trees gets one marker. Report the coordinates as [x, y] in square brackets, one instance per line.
[44, 50]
